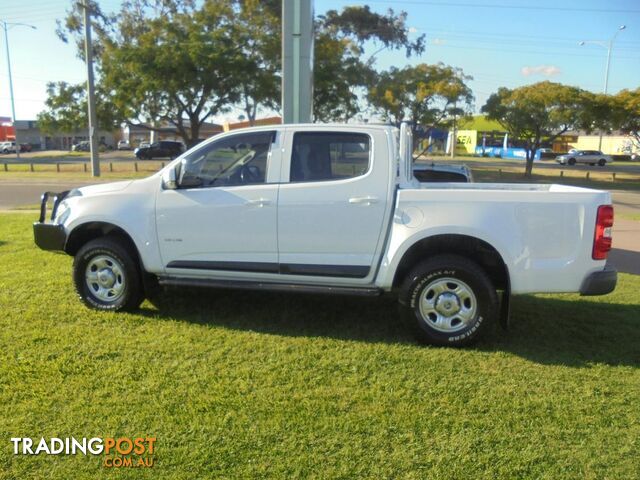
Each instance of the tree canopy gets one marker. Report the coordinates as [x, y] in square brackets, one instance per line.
[624, 114]
[182, 62]
[67, 109]
[424, 95]
[544, 110]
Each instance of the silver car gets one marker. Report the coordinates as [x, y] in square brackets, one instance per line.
[592, 157]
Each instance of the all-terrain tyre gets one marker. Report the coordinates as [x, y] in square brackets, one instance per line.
[107, 277]
[449, 300]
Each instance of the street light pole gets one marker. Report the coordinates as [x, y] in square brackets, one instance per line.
[91, 97]
[6, 26]
[609, 46]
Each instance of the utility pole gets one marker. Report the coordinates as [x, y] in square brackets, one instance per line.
[6, 26]
[91, 96]
[297, 61]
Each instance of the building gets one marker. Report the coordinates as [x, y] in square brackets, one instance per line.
[480, 136]
[228, 126]
[29, 133]
[136, 134]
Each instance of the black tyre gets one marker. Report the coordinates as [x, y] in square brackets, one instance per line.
[449, 300]
[602, 162]
[572, 161]
[106, 276]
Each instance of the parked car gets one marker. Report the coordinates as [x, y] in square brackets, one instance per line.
[83, 146]
[335, 210]
[591, 157]
[162, 149]
[25, 147]
[123, 145]
[8, 147]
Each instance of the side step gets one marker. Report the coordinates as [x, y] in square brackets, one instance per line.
[271, 286]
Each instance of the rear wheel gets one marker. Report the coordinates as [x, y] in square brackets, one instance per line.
[572, 161]
[106, 276]
[449, 300]
[602, 162]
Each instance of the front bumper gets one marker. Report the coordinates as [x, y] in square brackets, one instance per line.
[49, 236]
[599, 283]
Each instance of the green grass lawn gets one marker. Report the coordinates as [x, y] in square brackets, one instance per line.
[263, 385]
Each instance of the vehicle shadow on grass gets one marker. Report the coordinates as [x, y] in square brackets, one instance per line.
[572, 332]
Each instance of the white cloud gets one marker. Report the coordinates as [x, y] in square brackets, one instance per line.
[545, 70]
[438, 41]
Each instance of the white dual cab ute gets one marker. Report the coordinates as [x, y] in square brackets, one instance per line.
[331, 209]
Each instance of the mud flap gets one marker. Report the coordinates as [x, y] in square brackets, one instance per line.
[505, 307]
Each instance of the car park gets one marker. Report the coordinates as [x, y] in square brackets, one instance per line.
[590, 157]
[332, 209]
[162, 149]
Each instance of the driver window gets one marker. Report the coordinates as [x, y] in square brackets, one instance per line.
[236, 160]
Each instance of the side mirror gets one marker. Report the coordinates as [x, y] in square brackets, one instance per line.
[169, 178]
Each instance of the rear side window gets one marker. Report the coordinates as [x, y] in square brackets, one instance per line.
[322, 156]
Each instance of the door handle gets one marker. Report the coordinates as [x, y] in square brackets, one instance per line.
[258, 202]
[368, 200]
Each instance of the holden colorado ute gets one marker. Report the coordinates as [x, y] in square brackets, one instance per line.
[333, 209]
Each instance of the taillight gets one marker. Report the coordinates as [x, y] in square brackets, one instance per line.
[602, 236]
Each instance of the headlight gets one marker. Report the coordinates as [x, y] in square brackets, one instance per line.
[73, 193]
[62, 213]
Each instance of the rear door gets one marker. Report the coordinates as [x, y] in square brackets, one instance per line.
[332, 205]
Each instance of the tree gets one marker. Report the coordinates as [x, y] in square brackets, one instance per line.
[424, 95]
[179, 69]
[258, 32]
[67, 109]
[183, 62]
[544, 110]
[624, 114]
[340, 69]
[166, 61]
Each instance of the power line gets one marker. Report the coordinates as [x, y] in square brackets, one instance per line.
[529, 52]
[493, 6]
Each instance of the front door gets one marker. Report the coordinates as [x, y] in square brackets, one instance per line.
[222, 216]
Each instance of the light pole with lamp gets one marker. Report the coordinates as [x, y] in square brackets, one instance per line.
[6, 26]
[609, 46]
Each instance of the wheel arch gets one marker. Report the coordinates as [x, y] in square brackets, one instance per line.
[473, 248]
[88, 231]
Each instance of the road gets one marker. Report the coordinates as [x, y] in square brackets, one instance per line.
[20, 193]
[127, 156]
[625, 256]
[617, 167]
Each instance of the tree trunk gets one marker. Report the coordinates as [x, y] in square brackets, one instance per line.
[195, 131]
[529, 166]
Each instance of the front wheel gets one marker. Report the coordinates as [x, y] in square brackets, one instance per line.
[572, 161]
[602, 162]
[106, 276]
[449, 300]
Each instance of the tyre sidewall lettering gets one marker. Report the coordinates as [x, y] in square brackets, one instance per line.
[418, 285]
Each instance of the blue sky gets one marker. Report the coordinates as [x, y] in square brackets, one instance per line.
[498, 42]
